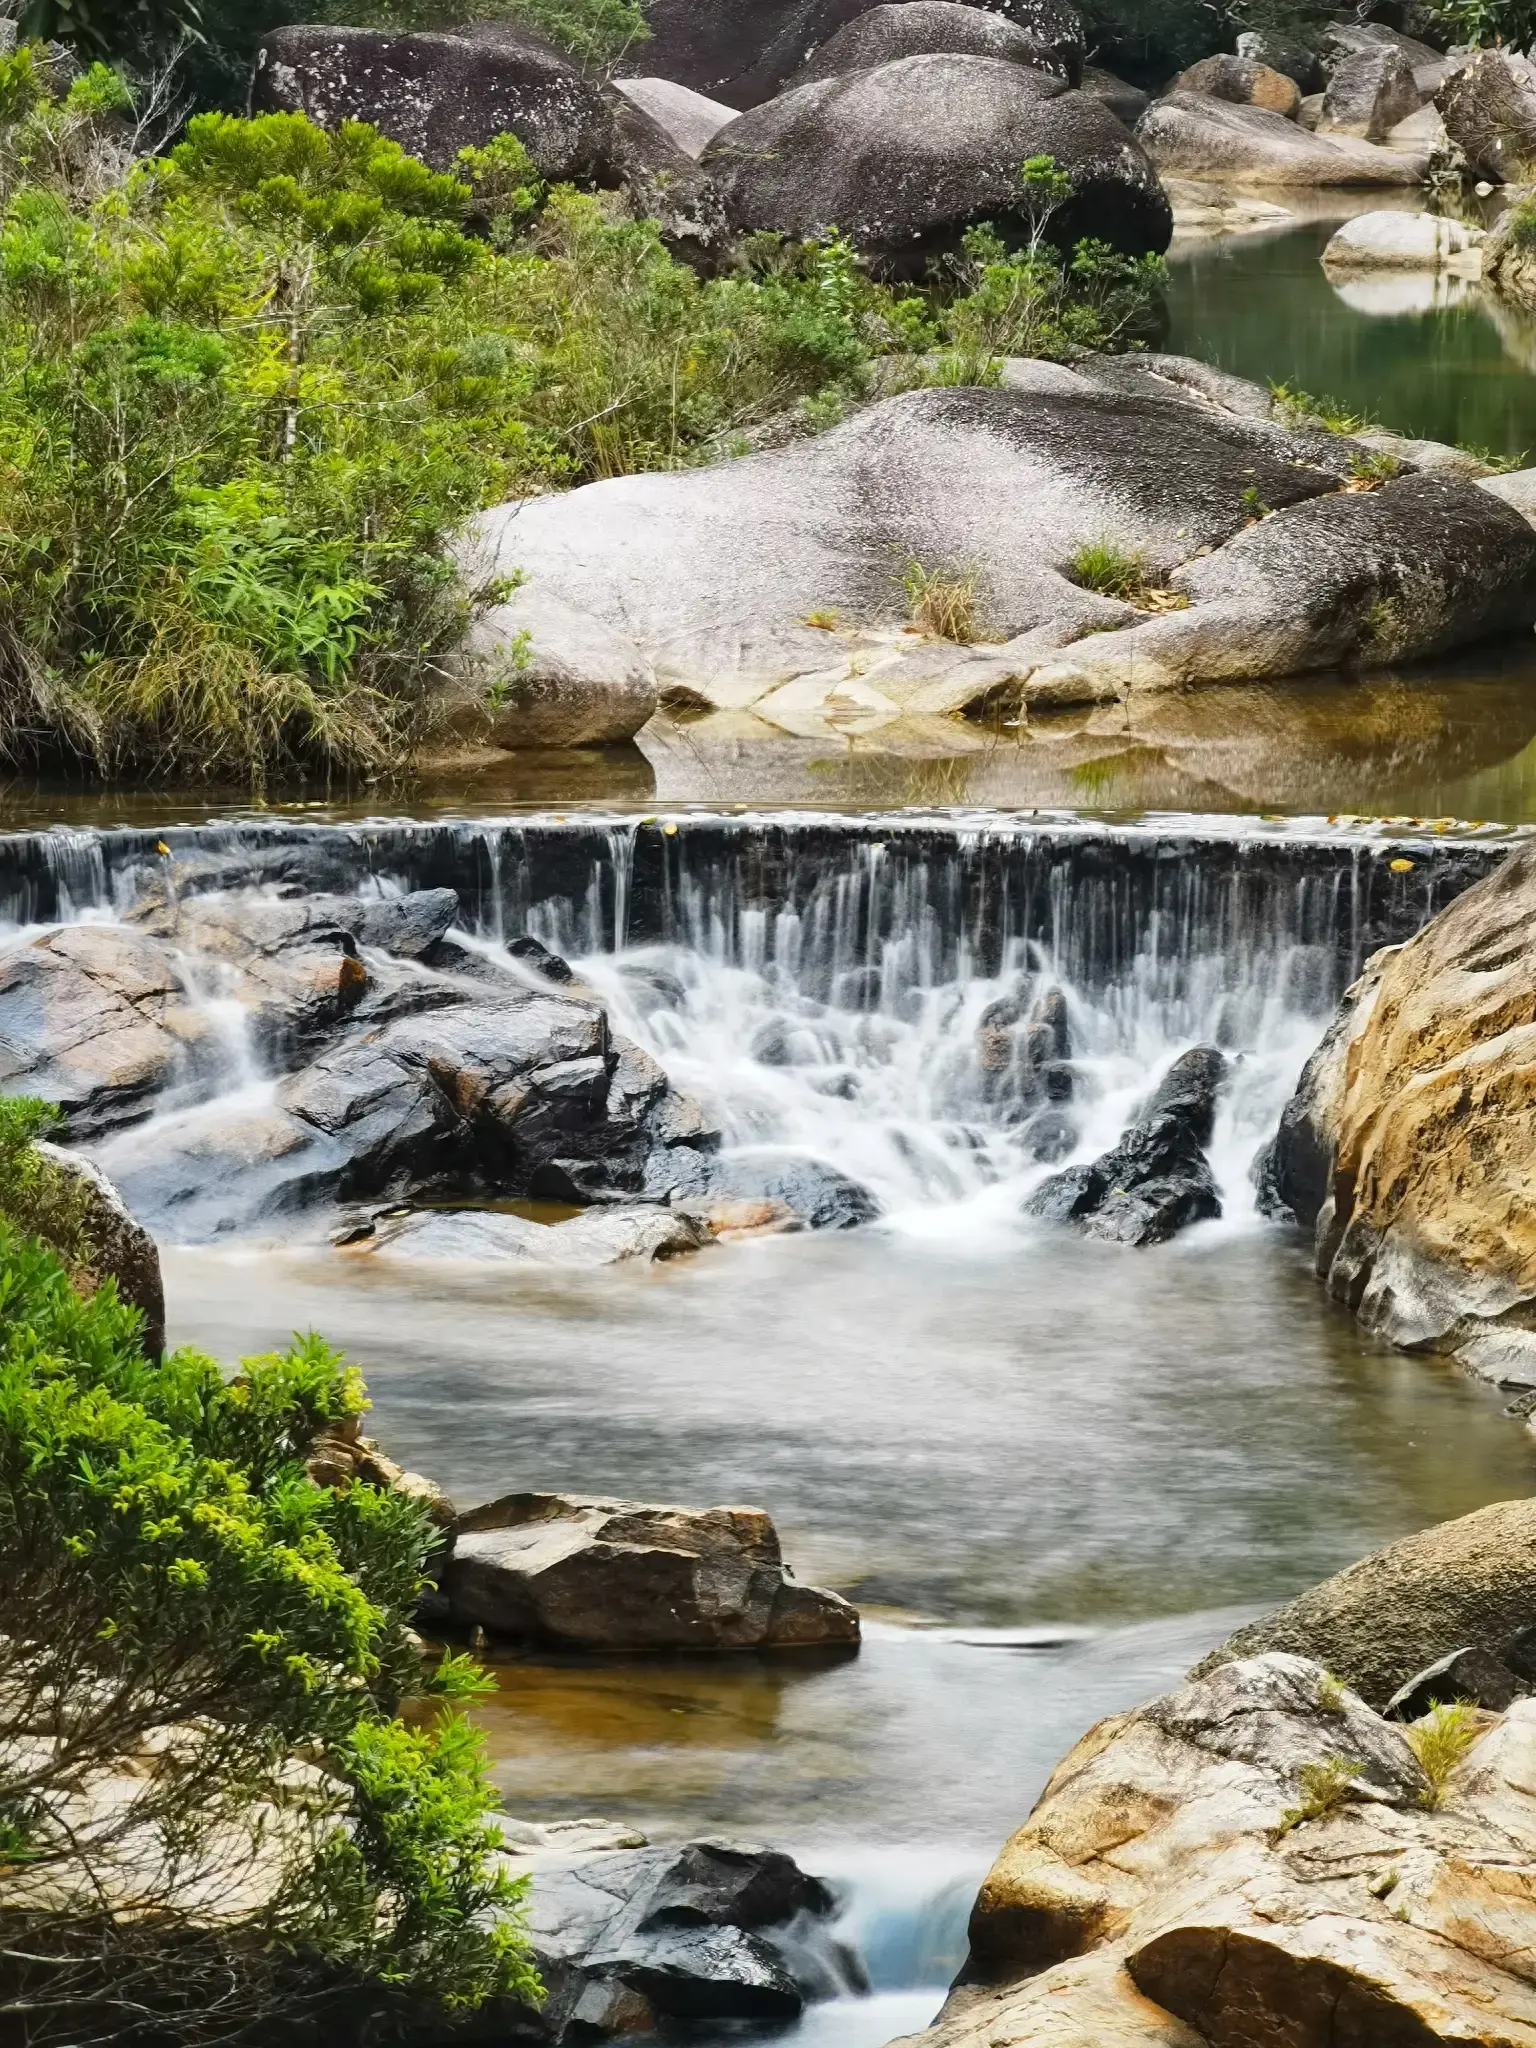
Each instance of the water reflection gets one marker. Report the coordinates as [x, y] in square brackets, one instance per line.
[1454, 369]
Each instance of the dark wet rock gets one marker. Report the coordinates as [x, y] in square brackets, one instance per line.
[1243, 82]
[409, 926]
[1024, 1055]
[1157, 1180]
[1368, 94]
[904, 157]
[613, 1575]
[98, 1019]
[859, 988]
[1489, 110]
[118, 1247]
[1465, 1584]
[653, 988]
[1126, 102]
[744, 56]
[1467, 1674]
[818, 1193]
[1189, 135]
[1189, 1090]
[1047, 1135]
[919, 28]
[537, 957]
[631, 1937]
[1048, 1034]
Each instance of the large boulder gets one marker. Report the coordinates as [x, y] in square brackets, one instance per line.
[1295, 58]
[438, 94]
[713, 573]
[1189, 135]
[922, 28]
[1489, 110]
[1509, 252]
[1259, 1858]
[1342, 41]
[631, 1939]
[1407, 1145]
[575, 1573]
[1125, 101]
[743, 55]
[1244, 82]
[904, 157]
[1378, 1626]
[1405, 241]
[1368, 94]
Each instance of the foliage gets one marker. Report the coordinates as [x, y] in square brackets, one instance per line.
[1330, 1693]
[226, 1812]
[1323, 1789]
[36, 1198]
[1103, 566]
[1481, 22]
[942, 602]
[1440, 1740]
[1300, 408]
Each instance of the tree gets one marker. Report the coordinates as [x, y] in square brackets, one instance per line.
[212, 1813]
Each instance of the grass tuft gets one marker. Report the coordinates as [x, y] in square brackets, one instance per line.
[1324, 1788]
[1440, 1741]
[942, 602]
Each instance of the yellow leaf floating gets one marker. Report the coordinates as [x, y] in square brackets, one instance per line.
[1400, 867]
[161, 847]
[669, 829]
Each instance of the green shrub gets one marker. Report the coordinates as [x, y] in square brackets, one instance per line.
[1440, 1740]
[176, 1587]
[1323, 1789]
[1103, 566]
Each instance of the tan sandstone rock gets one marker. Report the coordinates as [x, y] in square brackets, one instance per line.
[1176, 1885]
[1409, 1141]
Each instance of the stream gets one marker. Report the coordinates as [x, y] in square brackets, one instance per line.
[1051, 1472]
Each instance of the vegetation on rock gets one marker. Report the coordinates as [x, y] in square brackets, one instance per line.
[210, 1808]
[248, 387]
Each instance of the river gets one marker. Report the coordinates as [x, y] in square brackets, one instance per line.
[1052, 1473]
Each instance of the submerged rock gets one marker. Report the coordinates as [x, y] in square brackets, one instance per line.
[1468, 1584]
[903, 157]
[595, 1574]
[1157, 1180]
[1252, 1858]
[1406, 1147]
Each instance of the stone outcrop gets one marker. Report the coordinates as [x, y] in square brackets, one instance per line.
[923, 28]
[1382, 1623]
[691, 120]
[1509, 252]
[1489, 111]
[1252, 1859]
[438, 94]
[1369, 93]
[116, 1245]
[745, 55]
[1342, 40]
[1242, 81]
[1156, 1180]
[1188, 135]
[1406, 1148]
[590, 1574]
[1405, 241]
[711, 574]
[905, 156]
[631, 1939]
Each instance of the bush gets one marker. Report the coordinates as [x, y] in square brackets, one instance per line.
[211, 1814]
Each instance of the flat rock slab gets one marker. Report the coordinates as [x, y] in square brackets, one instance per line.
[598, 1574]
[600, 1237]
[1188, 135]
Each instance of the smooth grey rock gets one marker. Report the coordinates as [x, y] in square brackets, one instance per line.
[691, 120]
[601, 1237]
[1383, 1621]
[1405, 241]
[1369, 93]
[904, 157]
[1126, 102]
[1465, 1674]
[918, 28]
[745, 55]
[597, 1574]
[1189, 136]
